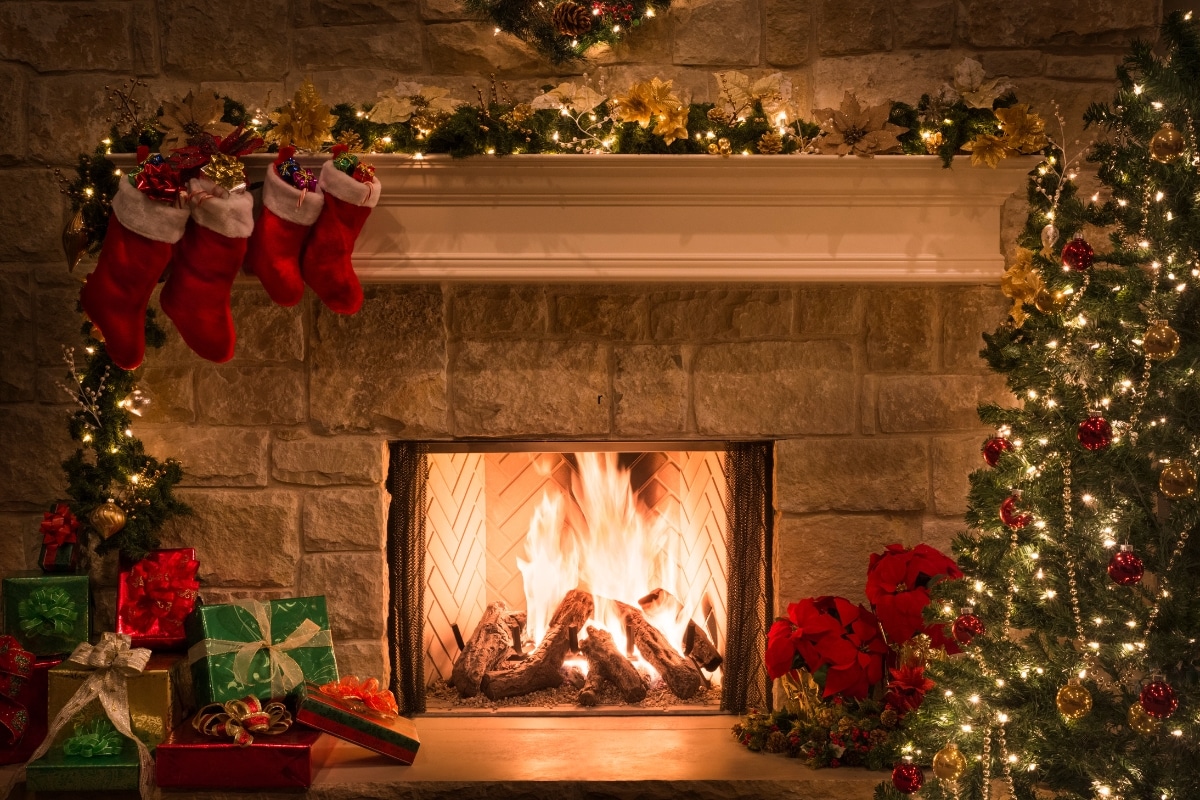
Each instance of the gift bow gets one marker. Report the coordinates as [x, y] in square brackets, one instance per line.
[367, 693]
[98, 739]
[112, 662]
[286, 674]
[59, 527]
[162, 591]
[240, 719]
[46, 612]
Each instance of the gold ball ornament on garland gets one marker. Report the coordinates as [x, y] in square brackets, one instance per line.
[1073, 700]
[949, 763]
[1049, 302]
[1177, 480]
[1166, 144]
[571, 19]
[1160, 341]
[108, 518]
[1140, 721]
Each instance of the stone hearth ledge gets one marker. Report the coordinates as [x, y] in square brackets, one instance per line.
[581, 758]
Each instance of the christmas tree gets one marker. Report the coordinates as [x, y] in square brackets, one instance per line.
[1079, 612]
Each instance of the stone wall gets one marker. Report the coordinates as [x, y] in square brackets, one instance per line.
[871, 389]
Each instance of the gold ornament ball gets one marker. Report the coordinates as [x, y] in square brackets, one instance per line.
[1073, 701]
[949, 764]
[1140, 721]
[1177, 480]
[1049, 302]
[108, 519]
[1166, 144]
[1161, 341]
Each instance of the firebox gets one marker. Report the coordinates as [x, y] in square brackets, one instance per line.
[579, 578]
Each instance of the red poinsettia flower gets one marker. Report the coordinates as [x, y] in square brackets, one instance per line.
[854, 655]
[791, 642]
[898, 582]
[907, 688]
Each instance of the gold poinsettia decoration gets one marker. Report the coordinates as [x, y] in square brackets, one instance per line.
[653, 101]
[409, 99]
[184, 120]
[305, 122]
[857, 130]
[672, 124]
[1021, 282]
[739, 93]
[1022, 133]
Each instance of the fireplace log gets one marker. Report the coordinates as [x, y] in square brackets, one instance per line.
[573, 676]
[575, 609]
[540, 671]
[589, 695]
[680, 674]
[487, 648]
[660, 600]
[701, 649]
[605, 660]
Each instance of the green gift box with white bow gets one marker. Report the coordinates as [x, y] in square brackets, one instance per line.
[263, 648]
[49, 614]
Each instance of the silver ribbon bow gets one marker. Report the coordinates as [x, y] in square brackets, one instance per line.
[286, 674]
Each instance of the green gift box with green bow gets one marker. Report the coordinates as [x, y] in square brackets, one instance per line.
[260, 648]
[96, 758]
[49, 614]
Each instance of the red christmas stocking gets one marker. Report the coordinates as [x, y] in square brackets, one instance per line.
[137, 248]
[196, 295]
[326, 265]
[292, 201]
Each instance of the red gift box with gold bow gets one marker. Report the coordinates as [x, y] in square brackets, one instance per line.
[155, 595]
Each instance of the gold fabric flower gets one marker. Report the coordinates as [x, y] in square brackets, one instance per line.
[855, 130]
[644, 101]
[305, 122]
[409, 99]
[183, 120]
[1021, 282]
[672, 124]
[1024, 131]
[986, 149]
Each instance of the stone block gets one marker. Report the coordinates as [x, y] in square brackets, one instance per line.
[704, 314]
[364, 657]
[774, 388]
[531, 388]
[967, 313]
[717, 32]
[345, 519]
[954, 459]
[229, 395]
[325, 461]
[829, 310]
[480, 312]
[61, 37]
[900, 329]
[913, 403]
[789, 29]
[651, 387]
[18, 362]
[349, 85]
[824, 554]
[474, 48]
[354, 585]
[600, 313]
[395, 46]
[923, 23]
[266, 332]
[144, 38]
[57, 325]
[172, 398]
[30, 216]
[34, 441]
[12, 114]
[940, 532]
[882, 77]
[1044, 22]
[250, 539]
[849, 28]
[649, 45]
[58, 130]
[361, 380]
[851, 475]
[1083, 68]
[217, 40]
[211, 456]
[306, 13]
[20, 542]
[1012, 63]
[443, 11]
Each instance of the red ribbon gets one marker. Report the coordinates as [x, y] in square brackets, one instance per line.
[58, 527]
[368, 692]
[162, 590]
[16, 665]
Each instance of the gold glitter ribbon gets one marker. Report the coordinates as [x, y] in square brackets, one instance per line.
[240, 719]
[226, 172]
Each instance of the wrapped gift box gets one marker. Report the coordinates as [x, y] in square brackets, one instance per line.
[155, 596]
[159, 697]
[385, 733]
[58, 772]
[190, 760]
[60, 540]
[298, 628]
[33, 698]
[48, 614]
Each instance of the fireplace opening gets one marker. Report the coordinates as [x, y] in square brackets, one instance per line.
[579, 578]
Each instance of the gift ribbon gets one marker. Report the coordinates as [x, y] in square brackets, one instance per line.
[47, 611]
[286, 674]
[240, 719]
[162, 592]
[112, 662]
[363, 695]
[100, 739]
[58, 527]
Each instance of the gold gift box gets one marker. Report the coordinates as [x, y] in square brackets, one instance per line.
[159, 698]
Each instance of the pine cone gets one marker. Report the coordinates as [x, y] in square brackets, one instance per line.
[770, 144]
[571, 19]
[720, 115]
[776, 743]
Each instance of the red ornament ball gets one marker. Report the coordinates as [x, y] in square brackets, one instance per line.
[1095, 433]
[907, 778]
[967, 627]
[1078, 254]
[1125, 568]
[994, 448]
[1012, 515]
[1158, 699]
